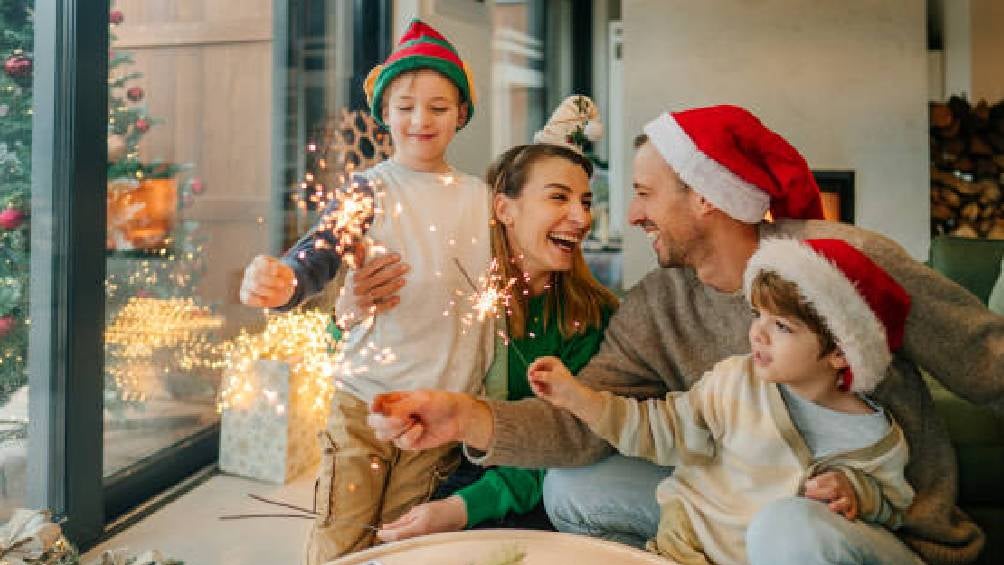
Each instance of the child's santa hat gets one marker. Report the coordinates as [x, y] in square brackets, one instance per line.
[733, 160]
[574, 122]
[863, 307]
[420, 47]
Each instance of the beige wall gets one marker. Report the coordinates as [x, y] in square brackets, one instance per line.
[845, 82]
[207, 67]
[987, 43]
[973, 48]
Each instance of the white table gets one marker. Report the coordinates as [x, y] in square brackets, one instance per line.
[498, 547]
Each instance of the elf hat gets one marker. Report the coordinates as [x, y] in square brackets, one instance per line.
[733, 160]
[573, 122]
[421, 47]
[861, 305]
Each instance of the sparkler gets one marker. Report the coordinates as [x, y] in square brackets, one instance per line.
[348, 213]
[490, 298]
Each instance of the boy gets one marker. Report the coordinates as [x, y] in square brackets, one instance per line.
[787, 419]
[434, 218]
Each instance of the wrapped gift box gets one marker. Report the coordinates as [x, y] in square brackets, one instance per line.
[271, 433]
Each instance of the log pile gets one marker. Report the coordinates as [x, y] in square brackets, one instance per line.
[967, 169]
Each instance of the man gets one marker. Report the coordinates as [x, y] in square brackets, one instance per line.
[703, 180]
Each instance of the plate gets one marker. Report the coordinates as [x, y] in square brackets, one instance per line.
[500, 547]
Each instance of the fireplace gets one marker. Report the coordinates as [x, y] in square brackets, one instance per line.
[837, 188]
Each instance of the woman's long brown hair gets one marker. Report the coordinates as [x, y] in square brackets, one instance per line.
[576, 296]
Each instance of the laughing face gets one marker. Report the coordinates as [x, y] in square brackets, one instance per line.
[664, 207]
[547, 222]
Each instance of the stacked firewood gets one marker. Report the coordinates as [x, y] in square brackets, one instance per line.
[967, 169]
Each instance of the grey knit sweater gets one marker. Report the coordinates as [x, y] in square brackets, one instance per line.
[671, 328]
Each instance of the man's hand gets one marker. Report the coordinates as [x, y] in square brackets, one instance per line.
[267, 283]
[449, 515]
[423, 419]
[833, 488]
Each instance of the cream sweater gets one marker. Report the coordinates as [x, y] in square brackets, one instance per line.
[735, 450]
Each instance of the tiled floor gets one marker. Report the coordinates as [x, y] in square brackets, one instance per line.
[189, 528]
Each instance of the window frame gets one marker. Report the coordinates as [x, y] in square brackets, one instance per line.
[66, 354]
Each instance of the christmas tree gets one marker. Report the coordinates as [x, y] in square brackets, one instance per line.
[15, 186]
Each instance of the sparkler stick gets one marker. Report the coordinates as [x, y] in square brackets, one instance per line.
[490, 298]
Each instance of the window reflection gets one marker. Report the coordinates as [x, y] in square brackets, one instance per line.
[189, 195]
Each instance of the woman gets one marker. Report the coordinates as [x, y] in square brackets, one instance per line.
[541, 209]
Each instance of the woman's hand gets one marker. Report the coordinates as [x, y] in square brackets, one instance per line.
[267, 283]
[376, 283]
[449, 515]
[833, 488]
[423, 419]
[551, 380]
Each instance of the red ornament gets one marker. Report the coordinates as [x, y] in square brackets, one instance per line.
[134, 94]
[142, 125]
[197, 186]
[116, 17]
[11, 219]
[17, 65]
[6, 325]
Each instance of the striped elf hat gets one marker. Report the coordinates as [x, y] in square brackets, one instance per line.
[421, 47]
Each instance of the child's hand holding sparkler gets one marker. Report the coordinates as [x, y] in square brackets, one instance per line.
[267, 283]
[551, 380]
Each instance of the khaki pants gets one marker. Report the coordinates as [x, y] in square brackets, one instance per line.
[363, 482]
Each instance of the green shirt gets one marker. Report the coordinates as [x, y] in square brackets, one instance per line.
[511, 489]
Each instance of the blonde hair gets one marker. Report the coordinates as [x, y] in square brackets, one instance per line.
[578, 299]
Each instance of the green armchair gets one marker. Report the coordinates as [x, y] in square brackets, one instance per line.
[977, 433]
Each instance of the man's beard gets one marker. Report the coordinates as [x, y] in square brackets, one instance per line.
[672, 255]
[671, 258]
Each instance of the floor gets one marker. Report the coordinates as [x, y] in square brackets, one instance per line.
[190, 529]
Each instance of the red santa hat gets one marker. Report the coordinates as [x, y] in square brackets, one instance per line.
[862, 305]
[733, 160]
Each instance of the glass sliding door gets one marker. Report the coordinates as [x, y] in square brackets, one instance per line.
[219, 111]
[189, 203]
